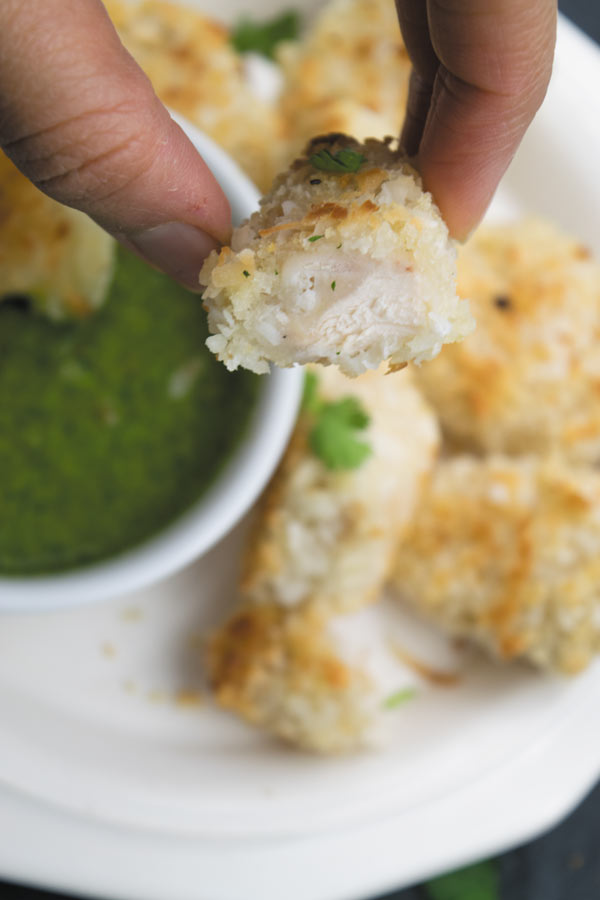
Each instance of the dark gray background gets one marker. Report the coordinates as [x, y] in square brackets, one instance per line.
[565, 863]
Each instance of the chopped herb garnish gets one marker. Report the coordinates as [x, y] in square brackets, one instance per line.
[341, 162]
[315, 237]
[478, 882]
[263, 37]
[276, 272]
[333, 436]
[399, 698]
[333, 285]
[246, 273]
[338, 247]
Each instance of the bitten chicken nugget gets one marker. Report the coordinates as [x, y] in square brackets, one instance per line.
[506, 552]
[326, 536]
[347, 262]
[528, 379]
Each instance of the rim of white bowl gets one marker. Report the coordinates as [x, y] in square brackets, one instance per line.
[224, 503]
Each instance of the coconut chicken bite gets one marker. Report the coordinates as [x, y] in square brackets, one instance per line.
[348, 262]
[329, 522]
[281, 671]
[506, 552]
[349, 73]
[288, 660]
[54, 255]
[528, 379]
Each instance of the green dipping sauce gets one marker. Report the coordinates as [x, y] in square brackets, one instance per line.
[110, 427]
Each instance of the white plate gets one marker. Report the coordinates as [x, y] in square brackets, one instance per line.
[115, 789]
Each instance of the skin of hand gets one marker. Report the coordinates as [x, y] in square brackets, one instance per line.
[480, 73]
[81, 120]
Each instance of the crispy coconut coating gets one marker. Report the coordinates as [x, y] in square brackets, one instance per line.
[506, 552]
[326, 537]
[349, 268]
[55, 255]
[528, 379]
[196, 72]
[349, 74]
[280, 670]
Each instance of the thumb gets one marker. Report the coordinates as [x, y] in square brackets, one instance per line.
[81, 120]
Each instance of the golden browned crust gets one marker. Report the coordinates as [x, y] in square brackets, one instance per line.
[528, 379]
[507, 552]
[279, 670]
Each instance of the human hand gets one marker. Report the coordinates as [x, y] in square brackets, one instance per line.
[81, 120]
[481, 69]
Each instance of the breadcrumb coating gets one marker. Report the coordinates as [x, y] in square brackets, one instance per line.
[348, 269]
[53, 254]
[349, 74]
[506, 552]
[279, 670]
[326, 537]
[195, 71]
[528, 379]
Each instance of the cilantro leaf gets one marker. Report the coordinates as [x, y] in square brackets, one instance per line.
[333, 437]
[343, 161]
[263, 37]
[350, 410]
[399, 698]
[478, 882]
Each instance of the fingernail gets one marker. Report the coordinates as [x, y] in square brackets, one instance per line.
[175, 248]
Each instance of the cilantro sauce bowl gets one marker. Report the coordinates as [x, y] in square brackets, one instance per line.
[227, 498]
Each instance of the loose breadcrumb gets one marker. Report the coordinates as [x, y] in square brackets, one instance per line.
[348, 268]
[506, 552]
[528, 379]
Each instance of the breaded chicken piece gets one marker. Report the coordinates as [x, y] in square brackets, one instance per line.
[196, 72]
[280, 670]
[352, 267]
[349, 74]
[56, 256]
[325, 537]
[528, 379]
[506, 552]
[321, 549]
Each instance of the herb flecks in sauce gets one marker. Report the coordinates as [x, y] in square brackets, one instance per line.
[110, 427]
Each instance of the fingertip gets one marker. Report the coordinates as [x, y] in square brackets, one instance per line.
[174, 248]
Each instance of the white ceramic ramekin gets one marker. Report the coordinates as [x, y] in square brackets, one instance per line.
[225, 502]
